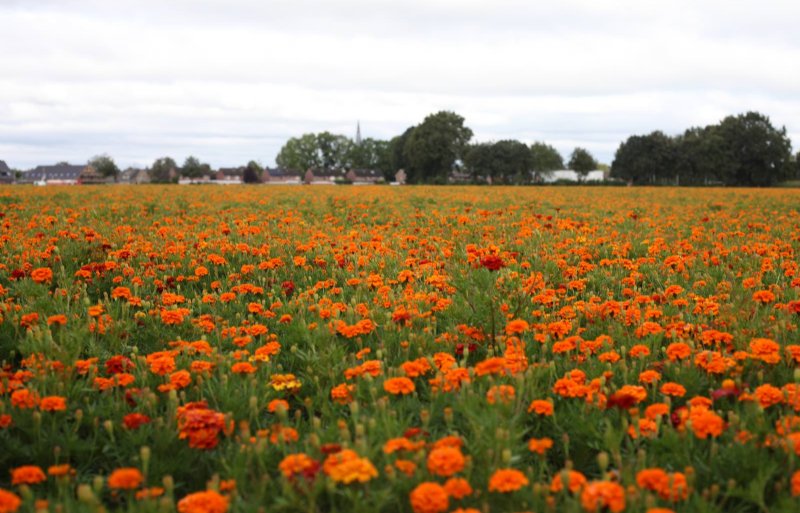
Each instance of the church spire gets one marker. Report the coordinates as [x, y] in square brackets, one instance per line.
[358, 133]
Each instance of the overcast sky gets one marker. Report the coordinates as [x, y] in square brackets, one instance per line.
[230, 80]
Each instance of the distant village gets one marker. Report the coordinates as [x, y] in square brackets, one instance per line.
[84, 174]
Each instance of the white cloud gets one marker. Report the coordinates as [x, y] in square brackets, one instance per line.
[230, 81]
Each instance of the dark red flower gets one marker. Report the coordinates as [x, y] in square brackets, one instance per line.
[492, 262]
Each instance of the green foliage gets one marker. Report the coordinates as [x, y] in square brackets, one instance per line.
[743, 150]
[105, 165]
[646, 159]
[544, 159]
[371, 154]
[434, 147]
[316, 151]
[397, 145]
[581, 161]
[253, 172]
[503, 162]
[193, 168]
[164, 170]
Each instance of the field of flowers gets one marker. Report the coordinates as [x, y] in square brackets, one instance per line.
[399, 349]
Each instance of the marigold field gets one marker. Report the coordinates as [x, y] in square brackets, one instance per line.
[398, 349]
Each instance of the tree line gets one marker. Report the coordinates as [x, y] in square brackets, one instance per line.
[742, 150]
[431, 152]
[166, 170]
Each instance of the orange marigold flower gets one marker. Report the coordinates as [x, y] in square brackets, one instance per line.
[243, 368]
[768, 395]
[9, 502]
[285, 382]
[445, 461]
[53, 403]
[150, 493]
[678, 351]
[796, 484]
[407, 467]
[429, 498]
[294, 464]
[705, 422]
[343, 394]
[59, 470]
[42, 275]
[766, 350]
[540, 445]
[353, 469]
[127, 478]
[27, 474]
[495, 365]
[598, 495]
[764, 297]
[24, 399]
[59, 320]
[517, 327]
[502, 393]
[649, 377]
[278, 404]
[541, 407]
[458, 487]
[399, 386]
[507, 480]
[652, 479]
[203, 502]
[673, 389]
[576, 481]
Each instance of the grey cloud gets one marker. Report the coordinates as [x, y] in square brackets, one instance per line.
[231, 80]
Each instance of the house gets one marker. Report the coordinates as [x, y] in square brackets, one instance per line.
[90, 176]
[324, 176]
[58, 174]
[281, 176]
[229, 176]
[6, 174]
[134, 176]
[364, 176]
[568, 175]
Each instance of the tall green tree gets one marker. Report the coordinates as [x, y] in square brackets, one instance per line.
[544, 160]
[756, 153]
[315, 151]
[164, 170]
[581, 161]
[397, 148]
[193, 168]
[372, 154]
[701, 156]
[649, 158]
[435, 145]
[105, 165]
[333, 150]
[252, 173]
[504, 162]
[300, 153]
